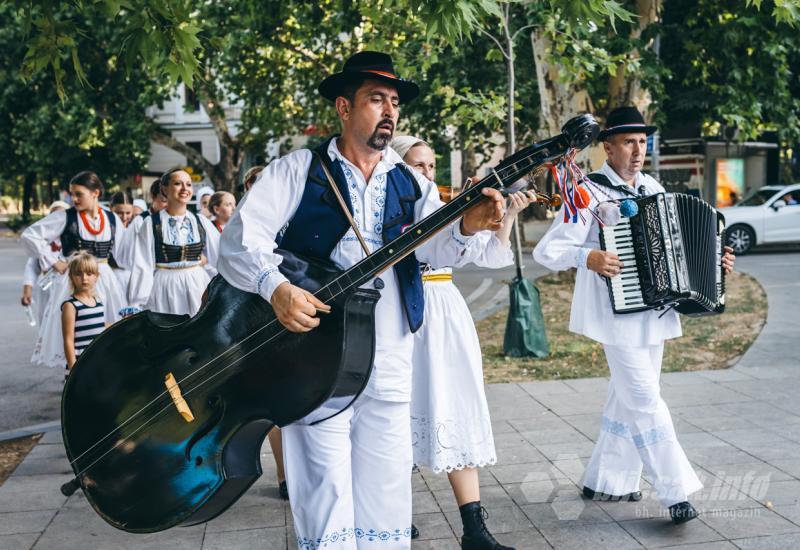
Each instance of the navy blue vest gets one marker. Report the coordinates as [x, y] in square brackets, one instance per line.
[319, 223]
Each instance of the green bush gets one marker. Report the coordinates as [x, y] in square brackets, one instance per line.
[17, 224]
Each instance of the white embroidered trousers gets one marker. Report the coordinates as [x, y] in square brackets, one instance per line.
[349, 478]
[637, 432]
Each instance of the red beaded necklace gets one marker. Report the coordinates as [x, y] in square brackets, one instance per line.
[89, 227]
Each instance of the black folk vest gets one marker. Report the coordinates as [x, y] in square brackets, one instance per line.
[71, 240]
[171, 253]
[319, 223]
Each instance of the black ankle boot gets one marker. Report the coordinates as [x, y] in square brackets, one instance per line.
[414, 532]
[682, 512]
[476, 535]
[283, 490]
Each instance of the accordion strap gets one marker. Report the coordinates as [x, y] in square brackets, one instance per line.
[602, 179]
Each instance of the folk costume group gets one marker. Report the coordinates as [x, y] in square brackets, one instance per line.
[349, 476]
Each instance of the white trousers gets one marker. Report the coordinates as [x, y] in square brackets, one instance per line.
[349, 478]
[637, 432]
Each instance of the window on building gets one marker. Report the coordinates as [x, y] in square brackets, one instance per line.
[190, 101]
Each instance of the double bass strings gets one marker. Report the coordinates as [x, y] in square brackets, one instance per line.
[410, 247]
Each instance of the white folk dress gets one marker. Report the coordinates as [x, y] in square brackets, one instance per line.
[450, 424]
[36, 239]
[175, 287]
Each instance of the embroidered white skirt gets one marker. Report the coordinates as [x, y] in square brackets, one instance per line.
[49, 349]
[450, 425]
[178, 291]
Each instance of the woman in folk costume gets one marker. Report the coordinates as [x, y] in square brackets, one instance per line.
[87, 227]
[175, 253]
[637, 430]
[121, 204]
[450, 426]
[35, 288]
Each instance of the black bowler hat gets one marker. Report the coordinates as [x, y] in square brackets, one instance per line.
[371, 65]
[625, 120]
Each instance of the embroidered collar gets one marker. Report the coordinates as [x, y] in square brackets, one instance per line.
[618, 181]
[388, 159]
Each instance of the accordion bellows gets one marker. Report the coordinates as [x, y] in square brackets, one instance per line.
[672, 252]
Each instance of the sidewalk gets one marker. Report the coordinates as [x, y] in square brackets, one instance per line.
[740, 427]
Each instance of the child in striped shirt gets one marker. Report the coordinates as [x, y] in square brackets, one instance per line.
[82, 315]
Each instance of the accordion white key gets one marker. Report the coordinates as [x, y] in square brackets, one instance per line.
[672, 256]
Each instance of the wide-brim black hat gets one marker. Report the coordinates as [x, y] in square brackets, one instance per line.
[625, 120]
[368, 65]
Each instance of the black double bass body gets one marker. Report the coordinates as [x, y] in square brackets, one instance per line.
[157, 469]
[163, 416]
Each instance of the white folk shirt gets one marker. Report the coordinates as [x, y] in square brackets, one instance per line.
[36, 238]
[247, 260]
[566, 245]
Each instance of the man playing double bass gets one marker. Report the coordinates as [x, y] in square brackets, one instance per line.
[348, 475]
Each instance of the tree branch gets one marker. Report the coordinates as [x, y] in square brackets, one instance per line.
[162, 137]
[526, 27]
[496, 41]
[216, 113]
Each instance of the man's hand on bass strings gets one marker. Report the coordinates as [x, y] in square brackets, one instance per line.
[605, 263]
[296, 308]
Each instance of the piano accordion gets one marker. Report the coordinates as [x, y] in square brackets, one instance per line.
[672, 256]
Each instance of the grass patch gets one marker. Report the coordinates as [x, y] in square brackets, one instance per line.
[14, 451]
[714, 342]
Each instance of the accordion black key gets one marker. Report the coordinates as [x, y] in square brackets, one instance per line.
[672, 256]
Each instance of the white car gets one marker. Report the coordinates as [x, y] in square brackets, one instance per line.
[767, 216]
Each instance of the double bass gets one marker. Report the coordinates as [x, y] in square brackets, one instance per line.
[163, 416]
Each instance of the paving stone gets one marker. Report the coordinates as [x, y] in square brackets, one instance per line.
[541, 488]
[49, 465]
[654, 533]
[254, 539]
[32, 500]
[596, 536]
[18, 542]
[563, 451]
[424, 502]
[745, 523]
[730, 472]
[516, 473]
[520, 453]
[547, 437]
[775, 542]
[589, 385]
[18, 523]
[239, 518]
[432, 526]
[565, 512]
[777, 492]
[436, 544]
[719, 545]
[789, 465]
[682, 378]
[546, 387]
[52, 437]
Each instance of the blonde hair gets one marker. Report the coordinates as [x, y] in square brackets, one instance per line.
[79, 263]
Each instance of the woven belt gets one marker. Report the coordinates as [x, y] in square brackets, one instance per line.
[162, 266]
[437, 278]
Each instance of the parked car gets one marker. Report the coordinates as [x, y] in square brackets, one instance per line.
[769, 215]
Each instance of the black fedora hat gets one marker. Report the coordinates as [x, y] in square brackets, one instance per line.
[368, 65]
[625, 120]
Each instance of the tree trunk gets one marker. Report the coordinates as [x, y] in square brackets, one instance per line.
[558, 100]
[624, 88]
[27, 196]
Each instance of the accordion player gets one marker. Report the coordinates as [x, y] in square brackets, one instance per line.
[672, 255]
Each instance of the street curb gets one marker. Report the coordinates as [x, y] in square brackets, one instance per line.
[53, 426]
